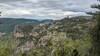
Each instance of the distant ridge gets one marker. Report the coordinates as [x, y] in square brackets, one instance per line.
[8, 24]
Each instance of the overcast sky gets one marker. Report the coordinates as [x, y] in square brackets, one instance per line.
[44, 9]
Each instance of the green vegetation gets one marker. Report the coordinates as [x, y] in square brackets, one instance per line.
[7, 24]
[96, 31]
[57, 46]
[5, 47]
[66, 37]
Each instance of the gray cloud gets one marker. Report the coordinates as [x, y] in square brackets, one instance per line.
[1, 1]
[44, 8]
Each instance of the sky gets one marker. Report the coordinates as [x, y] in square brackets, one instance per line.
[44, 9]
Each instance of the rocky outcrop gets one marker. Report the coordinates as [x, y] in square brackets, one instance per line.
[44, 35]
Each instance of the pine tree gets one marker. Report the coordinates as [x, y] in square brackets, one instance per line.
[96, 31]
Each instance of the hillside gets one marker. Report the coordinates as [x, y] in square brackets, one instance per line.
[63, 37]
[8, 24]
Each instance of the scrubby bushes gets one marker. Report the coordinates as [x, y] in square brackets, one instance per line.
[5, 48]
[60, 46]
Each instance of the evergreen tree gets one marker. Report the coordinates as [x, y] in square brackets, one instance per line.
[96, 31]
